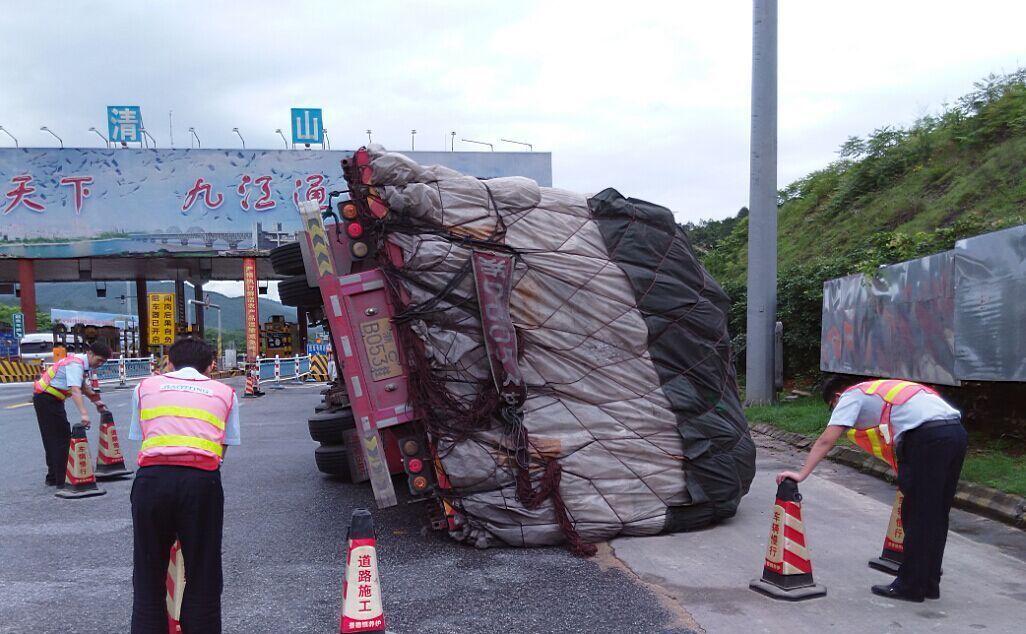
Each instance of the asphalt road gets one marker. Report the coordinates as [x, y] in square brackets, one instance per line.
[66, 565]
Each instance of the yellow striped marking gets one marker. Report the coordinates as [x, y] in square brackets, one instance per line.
[183, 412]
[16, 406]
[183, 441]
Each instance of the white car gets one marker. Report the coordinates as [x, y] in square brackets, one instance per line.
[37, 346]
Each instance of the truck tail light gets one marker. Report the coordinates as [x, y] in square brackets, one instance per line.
[359, 249]
[348, 210]
[419, 484]
[415, 465]
[354, 229]
[417, 461]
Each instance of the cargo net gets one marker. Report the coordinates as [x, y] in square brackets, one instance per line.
[631, 424]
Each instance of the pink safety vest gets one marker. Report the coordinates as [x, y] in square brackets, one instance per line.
[878, 440]
[42, 384]
[183, 421]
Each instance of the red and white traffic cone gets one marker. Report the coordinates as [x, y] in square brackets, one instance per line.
[110, 462]
[175, 588]
[94, 382]
[787, 573]
[79, 481]
[894, 542]
[252, 389]
[361, 593]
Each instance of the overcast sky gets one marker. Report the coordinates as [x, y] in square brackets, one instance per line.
[651, 98]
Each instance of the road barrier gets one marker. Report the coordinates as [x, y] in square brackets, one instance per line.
[274, 369]
[19, 371]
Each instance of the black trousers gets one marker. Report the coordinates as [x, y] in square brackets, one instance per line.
[55, 430]
[929, 463]
[187, 503]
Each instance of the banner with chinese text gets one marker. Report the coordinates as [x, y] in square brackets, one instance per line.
[249, 290]
[77, 202]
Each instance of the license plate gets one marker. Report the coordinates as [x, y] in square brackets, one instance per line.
[382, 353]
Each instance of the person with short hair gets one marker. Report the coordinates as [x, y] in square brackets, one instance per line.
[185, 421]
[65, 378]
[929, 442]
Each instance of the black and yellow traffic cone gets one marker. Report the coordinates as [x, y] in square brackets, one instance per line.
[894, 542]
[361, 593]
[110, 462]
[787, 573]
[79, 481]
[175, 588]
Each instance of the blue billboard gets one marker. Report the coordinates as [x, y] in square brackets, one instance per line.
[124, 124]
[62, 203]
[307, 125]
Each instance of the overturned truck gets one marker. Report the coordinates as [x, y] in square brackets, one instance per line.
[548, 368]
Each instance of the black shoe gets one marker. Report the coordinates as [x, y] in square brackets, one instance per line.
[893, 593]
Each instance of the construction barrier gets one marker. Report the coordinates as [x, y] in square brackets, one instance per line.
[79, 481]
[319, 367]
[362, 610]
[894, 542]
[19, 371]
[787, 572]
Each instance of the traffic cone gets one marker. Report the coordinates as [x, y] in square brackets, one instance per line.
[94, 382]
[175, 588]
[251, 386]
[79, 481]
[894, 542]
[361, 592]
[787, 573]
[110, 462]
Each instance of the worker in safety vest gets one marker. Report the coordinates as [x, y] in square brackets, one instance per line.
[928, 443]
[185, 421]
[65, 378]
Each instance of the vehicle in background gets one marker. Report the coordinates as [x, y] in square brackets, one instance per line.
[37, 346]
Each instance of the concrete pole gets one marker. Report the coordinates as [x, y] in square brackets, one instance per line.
[143, 308]
[762, 207]
[27, 282]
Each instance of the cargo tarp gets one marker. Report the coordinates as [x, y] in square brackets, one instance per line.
[623, 346]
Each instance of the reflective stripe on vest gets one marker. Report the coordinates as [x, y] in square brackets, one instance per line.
[183, 441]
[877, 440]
[183, 421]
[42, 384]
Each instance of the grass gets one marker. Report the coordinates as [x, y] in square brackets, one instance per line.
[994, 462]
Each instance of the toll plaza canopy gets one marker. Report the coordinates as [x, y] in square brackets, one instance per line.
[120, 214]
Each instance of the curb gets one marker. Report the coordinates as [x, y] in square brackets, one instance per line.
[983, 500]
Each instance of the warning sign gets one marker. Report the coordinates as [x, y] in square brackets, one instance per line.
[162, 319]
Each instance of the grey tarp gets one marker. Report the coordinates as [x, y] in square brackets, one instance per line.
[624, 350]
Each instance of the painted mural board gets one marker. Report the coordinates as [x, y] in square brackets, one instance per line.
[79, 202]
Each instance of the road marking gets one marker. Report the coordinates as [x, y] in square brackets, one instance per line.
[16, 406]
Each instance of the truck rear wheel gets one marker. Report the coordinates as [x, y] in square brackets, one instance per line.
[333, 460]
[330, 426]
[287, 259]
[296, 292]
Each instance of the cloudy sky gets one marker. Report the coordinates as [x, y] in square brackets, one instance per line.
[649, 97]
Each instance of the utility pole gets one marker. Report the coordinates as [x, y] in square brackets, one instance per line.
[762, 207]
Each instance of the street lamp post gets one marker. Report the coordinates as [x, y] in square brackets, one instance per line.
[413, 140]
[283, 139]
[324, 131]
[46, 129]
[530, 148]
[369, 137]
[5, 131]
[146, 134]
[100, 134]
[452, 145]
[490, 146]
[236, 131]
[195, 136]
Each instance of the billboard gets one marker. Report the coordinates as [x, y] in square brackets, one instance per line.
[67, 203]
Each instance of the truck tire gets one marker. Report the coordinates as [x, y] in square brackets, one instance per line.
[296, 292]
[287, 259]
[328, 426]
[333, 460]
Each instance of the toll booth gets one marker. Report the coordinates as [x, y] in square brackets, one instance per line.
[73, 331]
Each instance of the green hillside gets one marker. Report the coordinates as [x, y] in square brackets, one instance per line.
[896, 194]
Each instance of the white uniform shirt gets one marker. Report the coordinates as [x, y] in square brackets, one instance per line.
[860, 410]
[70, 375]
[232, 435]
